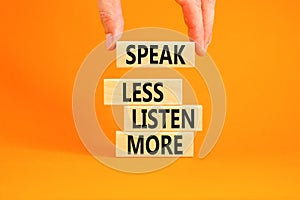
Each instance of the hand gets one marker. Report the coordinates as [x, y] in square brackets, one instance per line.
[198, 16]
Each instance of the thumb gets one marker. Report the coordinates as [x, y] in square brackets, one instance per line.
[112, 20]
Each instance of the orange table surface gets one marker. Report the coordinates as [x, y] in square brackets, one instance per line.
[255, 46]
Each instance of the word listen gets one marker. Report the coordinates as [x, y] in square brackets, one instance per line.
[177, 117]
[166, 118]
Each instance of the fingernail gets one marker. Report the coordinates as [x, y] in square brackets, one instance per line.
[109, 40]
[200, 50]
[207, 44]
[117, 37]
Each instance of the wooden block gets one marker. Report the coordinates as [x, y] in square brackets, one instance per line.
[147, 144]
[163, 118]
[138, 91]
[155, 54]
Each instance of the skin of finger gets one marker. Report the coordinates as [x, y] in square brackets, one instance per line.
[208, 10]
[111, 18]
[192, 12]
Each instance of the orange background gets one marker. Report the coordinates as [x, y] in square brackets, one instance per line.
[256, 45]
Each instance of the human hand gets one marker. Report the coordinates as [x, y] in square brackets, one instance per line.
[198, 16]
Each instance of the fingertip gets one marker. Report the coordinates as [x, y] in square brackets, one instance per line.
[200, 51]
[199, 47]
[206, 47]
[180, 2]
[111, 40]
[208, 42]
